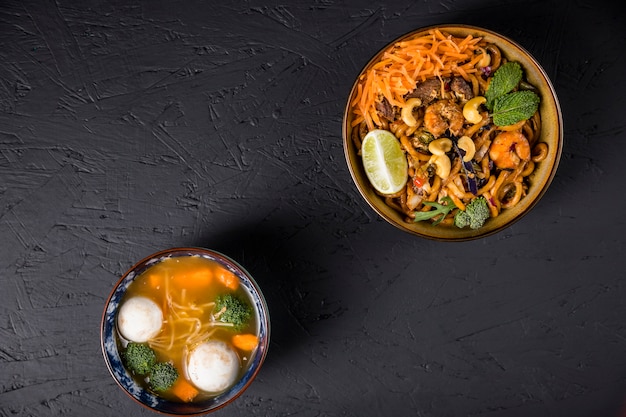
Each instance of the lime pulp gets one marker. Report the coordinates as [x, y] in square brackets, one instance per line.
[384, 161]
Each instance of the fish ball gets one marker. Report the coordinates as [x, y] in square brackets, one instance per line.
[139, 319]
[213, 366]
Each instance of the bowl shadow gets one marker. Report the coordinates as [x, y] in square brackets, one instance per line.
[284, 260]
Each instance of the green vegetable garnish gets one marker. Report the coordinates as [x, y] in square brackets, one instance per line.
[162, 376]
[514, 107]
[440, 209]
[139, 358]
[504, 80]
[475, 214]
[232, 311]
[508, 107]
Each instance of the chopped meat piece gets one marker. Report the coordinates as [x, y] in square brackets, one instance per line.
[427, 91]
[385, 109]
[461, 88]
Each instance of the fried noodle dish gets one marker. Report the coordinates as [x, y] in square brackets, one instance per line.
[466, 119]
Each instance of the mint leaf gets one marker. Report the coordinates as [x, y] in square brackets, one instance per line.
[514, 107]
[504, 80]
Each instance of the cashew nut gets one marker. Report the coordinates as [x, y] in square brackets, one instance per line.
[467, 144]
[442, 165]
[440, 146]
[407, 111]
[485, 60]
[470, 109]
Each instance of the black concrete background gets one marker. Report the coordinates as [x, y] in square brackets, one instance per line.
[127, 127]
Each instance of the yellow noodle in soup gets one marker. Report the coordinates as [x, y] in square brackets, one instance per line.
[189, 291]
[429, 91]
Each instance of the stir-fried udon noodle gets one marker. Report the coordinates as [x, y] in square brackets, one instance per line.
[429, 92]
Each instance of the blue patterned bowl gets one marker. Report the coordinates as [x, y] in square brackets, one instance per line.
[109, 337]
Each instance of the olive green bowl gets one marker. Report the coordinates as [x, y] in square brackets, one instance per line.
[540, 179]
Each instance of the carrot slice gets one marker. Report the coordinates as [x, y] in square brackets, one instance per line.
[245, 342]
[155, 280]
[227, 278]
[195, 278]
[184, 390]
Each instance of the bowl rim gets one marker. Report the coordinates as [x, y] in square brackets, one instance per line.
[264, 324]
[466, 234]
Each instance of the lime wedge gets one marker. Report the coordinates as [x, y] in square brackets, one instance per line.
[384, 161]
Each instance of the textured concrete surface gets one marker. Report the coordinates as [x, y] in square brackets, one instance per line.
[127, 127]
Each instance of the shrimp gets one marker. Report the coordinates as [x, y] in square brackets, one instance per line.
[443, 115]
[508, 149]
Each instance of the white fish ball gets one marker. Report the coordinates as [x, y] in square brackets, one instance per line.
[139, 319]
[213, 366]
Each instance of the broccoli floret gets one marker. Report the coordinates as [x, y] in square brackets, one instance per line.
[232, 310]
[475, 214]
[139, 358]
[162, 376]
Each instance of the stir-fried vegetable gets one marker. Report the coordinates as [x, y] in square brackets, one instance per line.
[440, 209]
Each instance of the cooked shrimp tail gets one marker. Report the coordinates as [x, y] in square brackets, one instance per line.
[508, 149]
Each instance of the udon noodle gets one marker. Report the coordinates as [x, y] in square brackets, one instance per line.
[419, 90]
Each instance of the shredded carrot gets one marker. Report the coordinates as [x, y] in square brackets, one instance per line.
[465, 41]
[184, 390]
[407, 62]
[471, 64]
[462, 73]
[454, 54]
[245, 342]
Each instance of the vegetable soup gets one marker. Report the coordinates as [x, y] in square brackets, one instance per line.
[193, 314]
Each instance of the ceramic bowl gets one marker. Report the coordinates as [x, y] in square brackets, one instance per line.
[110, 337]
[551, 134]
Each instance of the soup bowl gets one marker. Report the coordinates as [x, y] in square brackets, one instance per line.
[111, 338]
[551, 134]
